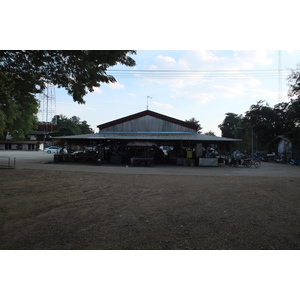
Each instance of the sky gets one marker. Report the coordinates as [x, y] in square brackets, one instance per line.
[203, 84]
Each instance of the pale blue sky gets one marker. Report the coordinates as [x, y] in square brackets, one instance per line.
[249, 76]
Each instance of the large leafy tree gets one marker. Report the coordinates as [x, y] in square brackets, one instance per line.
[260, 125]
[24, 73]
[294, 108]
[261, 118]
[18, 109]
[267, 123]
[294, 83]
[194, 121]
[231, 125]
[70, 126]
[294, 94]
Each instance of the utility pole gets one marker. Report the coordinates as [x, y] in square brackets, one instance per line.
[252, 144]
[47, 107]
[147, 100]
[279, 78]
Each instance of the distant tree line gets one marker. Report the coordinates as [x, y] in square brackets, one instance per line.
[69, 126]
[264, 123]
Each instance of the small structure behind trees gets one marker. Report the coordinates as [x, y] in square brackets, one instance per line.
[261, 125]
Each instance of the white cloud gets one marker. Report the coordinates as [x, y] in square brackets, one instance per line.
[116, 86]
[165, 59]
[184, 83]
[206, 90]
[162, 105]
[261, 94]
[166, 62]
[205, 55]
[263, 57]
[205, 97]
[247, 59]
[231, 90]
[214, 85]
[293, 52]
[153, 67]
[97, 90]
[196, 95]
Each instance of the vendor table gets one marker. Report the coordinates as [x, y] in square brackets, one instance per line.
[208, 162]
[138, 161]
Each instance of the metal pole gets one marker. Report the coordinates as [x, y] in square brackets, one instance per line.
[252, 144]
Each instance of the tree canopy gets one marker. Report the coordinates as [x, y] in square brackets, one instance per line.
[78, 71]
[210, 133]
[265, 123]
[194, 121]
[230, 125]
[70, 126]
[24, 73]
[18, 110]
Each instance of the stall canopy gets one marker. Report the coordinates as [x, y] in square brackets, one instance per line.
[141, 144]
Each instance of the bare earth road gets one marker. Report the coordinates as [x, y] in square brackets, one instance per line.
[71, 206]
[42, 161]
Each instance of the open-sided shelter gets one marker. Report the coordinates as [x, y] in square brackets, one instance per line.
[147, 133]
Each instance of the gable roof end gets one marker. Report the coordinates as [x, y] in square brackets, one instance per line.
[147, 113]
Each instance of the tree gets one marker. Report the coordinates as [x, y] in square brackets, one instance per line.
[231, 125]
[18, 110]
[24, 73]
[267, 123]
[85, 127]
[210, 133]
[284, 119]
[194, 121]
[79, 71]
[294, 95]
[294, 107]
[70, 126]
[294, 84]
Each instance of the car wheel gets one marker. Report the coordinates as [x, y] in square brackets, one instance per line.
[49, 151]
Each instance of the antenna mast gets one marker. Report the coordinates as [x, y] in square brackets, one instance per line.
[147, 100]
[47, 106]
[279, 77]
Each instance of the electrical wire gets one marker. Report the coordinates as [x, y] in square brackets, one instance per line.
[197, 74]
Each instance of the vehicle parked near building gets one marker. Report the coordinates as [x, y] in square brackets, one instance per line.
[53, 150]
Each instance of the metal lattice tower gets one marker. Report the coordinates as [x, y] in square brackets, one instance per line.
[279, 77]
[47, 108]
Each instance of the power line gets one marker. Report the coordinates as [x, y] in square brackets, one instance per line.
[198, 74]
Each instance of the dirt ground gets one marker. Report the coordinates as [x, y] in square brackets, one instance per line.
[52, 209]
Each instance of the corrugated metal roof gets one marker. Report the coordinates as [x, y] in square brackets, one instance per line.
[149, 136]
[148, 113]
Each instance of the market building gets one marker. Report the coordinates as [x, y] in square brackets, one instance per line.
[35, 140]
[149, 137]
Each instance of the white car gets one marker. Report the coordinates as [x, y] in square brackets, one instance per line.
[53, 149]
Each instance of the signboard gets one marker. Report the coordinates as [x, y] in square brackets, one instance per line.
[199, 149]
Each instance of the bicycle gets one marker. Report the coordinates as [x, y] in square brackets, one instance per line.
[247, 162]
[251, 162]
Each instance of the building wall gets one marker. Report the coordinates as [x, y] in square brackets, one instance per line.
[284, 147]
[148, 124]
[19, 146]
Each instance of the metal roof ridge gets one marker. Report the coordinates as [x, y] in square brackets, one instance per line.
[148, 132]
[149, 113]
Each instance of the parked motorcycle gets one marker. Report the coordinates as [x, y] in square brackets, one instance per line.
[294, 162]
[279, 159]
